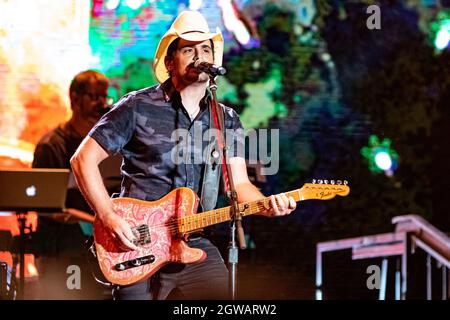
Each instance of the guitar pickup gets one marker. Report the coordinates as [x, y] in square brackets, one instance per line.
[142, 241]
[135, 263]
[142, 235]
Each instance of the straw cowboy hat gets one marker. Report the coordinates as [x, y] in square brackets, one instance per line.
[190, 26]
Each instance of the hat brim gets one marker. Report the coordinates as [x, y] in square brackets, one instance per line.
[159, 66]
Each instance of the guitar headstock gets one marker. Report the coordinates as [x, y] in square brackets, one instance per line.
[325, 189]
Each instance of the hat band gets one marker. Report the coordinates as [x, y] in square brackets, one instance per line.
[193, 31]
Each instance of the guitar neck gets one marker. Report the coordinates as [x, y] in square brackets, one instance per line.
[212, 217]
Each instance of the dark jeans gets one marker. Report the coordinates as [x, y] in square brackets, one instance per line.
[207, 280]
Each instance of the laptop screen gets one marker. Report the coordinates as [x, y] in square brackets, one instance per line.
[42, 190]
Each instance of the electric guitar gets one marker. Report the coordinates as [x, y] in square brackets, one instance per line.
[160, 227]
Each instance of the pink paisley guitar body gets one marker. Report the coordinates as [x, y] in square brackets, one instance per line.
[154, 223]
[160, 227]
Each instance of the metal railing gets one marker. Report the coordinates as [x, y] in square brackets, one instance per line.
[411, 232]
[434, 242]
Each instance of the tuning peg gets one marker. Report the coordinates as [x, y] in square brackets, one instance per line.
[339, 182]
[314, 181]
[320, 181]
[325, 181]
[332, 181]
[345, 182]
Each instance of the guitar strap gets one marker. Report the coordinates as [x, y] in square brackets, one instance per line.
[211, 174]
[221, 143]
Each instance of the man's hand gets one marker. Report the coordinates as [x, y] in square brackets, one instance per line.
[120, 230]
[247, 192]
[280, 205]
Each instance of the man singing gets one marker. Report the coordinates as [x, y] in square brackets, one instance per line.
[140, 127]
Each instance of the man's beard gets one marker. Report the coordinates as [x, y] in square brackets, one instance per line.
[191, 78]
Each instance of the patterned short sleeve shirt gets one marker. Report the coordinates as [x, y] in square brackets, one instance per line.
[162, 147]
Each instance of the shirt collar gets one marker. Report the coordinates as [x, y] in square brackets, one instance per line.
[172, 95]
[168, 90]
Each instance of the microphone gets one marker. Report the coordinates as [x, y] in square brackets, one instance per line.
[209, 68]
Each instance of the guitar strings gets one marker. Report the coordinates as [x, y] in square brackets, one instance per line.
[199, 219]
[174, 226]
[195, 219]
[192, 219]
[254, 206]
[258, 205]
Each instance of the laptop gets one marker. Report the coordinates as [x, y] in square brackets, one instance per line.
[42, 190]
[110, 172]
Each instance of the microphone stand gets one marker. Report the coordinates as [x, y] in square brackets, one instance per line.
[21, 218]
[236, 214]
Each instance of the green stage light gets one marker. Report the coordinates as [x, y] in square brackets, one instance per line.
[440, 30]
[380, 156]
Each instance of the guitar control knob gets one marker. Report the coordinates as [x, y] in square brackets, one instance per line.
[120, 267]
[136, 262]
